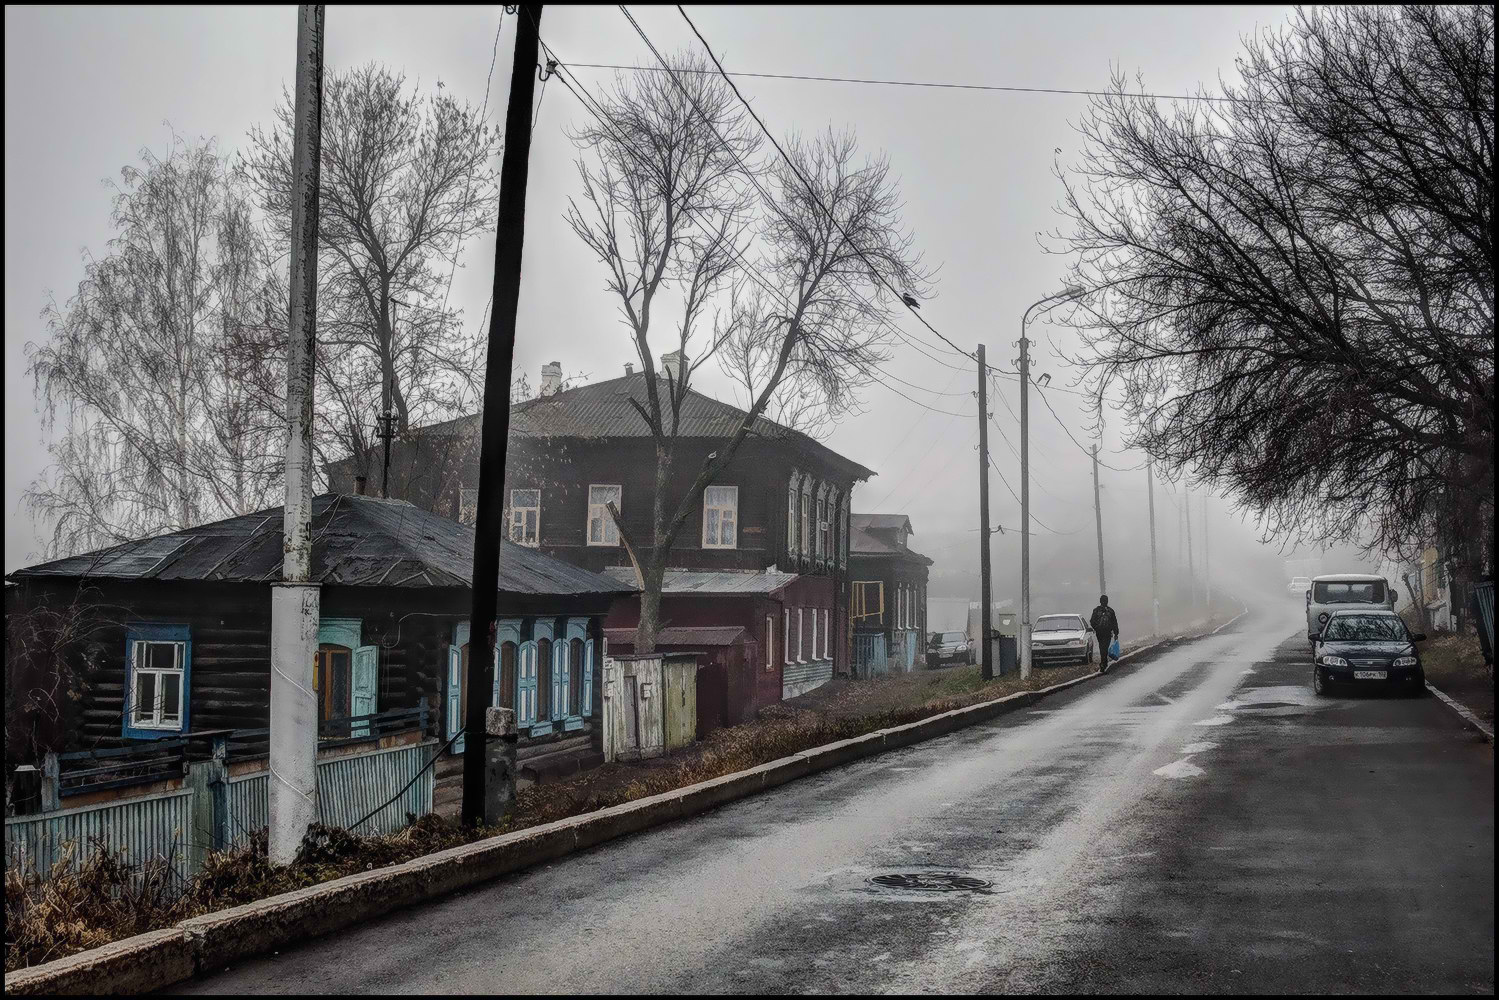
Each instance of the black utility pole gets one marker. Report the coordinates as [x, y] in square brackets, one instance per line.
[986, 651]
[386, 424]
[495, 429]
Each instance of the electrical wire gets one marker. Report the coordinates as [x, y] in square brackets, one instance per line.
[933, 85]
[900, 296]
[753, 272]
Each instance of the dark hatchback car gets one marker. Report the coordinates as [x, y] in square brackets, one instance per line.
[1367, 649]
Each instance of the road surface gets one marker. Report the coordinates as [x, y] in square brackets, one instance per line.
[1199, 822]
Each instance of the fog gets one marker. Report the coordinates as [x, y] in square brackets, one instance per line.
[1229, 561]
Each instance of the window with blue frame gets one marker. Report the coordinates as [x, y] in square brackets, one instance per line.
[158, 664]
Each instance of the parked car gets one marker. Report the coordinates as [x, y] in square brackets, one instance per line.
[948, 647]
[1299, 585]
[1346, 592]
[1061, 639]
[1367, 648]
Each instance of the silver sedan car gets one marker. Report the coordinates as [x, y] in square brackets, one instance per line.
[1061, 639]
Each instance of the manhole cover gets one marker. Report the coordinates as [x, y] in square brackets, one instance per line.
[931, 882]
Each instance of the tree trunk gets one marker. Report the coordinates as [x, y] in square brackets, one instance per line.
[649, 628]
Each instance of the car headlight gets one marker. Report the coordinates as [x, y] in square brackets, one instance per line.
[1405, 661]
[1334, 661]
[1074, 642]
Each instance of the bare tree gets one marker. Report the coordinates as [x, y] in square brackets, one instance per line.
[669, 198]
[150, 367]
[1295, 287]
[406, 182]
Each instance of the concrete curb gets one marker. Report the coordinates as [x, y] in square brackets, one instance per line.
[158, 959]
[1463, 710]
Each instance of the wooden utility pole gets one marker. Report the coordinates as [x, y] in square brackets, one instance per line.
[1103, 587]
[495, 428]
[1207, 573]
[986, 625]
[1191, 563]
[296, 601]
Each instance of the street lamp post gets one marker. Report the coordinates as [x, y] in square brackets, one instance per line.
[1023, 363]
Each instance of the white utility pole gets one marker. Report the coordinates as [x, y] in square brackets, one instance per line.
[1155, 595]
[1103, 587]
[295, 601]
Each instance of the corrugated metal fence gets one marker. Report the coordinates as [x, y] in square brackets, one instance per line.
[176, 826]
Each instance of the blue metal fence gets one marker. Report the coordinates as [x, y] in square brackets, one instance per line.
[213, 810]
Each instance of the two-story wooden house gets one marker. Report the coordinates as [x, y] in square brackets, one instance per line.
[758, 577]
[888, 594]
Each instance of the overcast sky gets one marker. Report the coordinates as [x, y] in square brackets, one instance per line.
[87, 89]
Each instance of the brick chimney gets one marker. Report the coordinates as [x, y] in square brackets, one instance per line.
[671, 364]
[551, 378]
[629, 369]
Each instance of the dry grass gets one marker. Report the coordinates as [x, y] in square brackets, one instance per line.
[1454, 663]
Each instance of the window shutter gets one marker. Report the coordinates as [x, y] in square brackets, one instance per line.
[560, 688]
[455, 696]
[588, 678]
[525, 701]
[363, 685]
[494, 687]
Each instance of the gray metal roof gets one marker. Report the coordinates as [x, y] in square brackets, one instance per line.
[862, 543]
[881, 522]
[604, 410]
[682, 635]
[691, 581]
[356, 541]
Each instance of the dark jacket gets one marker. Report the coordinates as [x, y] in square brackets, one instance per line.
[1103, 622]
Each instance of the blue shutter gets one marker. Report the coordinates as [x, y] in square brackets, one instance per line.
[587, 679]
[494, 688]
[525, 684]
[455, 696]
[559, 679]
[363, 684]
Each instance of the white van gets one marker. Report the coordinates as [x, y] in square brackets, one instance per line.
[1345, 592]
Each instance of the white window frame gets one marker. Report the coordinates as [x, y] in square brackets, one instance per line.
[827, 636]
[770, 642]
[468, 506]
[786, 639]
[139, 654]
[804, 504]
[814, 633]
[517, 511]
[801, 636]
[731, 509]
[791, 494]
[601, 511]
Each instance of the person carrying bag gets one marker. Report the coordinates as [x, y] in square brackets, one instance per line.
[1105, 625]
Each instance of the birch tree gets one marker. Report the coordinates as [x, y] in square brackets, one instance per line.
[147, 378]
[780, 273]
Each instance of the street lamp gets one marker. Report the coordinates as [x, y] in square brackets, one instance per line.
[1050, 301]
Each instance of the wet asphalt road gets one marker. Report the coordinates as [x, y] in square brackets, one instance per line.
[1199, 822]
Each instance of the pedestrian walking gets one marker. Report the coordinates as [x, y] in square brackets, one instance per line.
[1105, 625]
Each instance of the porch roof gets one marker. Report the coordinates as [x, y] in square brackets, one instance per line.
[692, 581]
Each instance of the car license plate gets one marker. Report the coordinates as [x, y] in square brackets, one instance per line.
[1370, 675]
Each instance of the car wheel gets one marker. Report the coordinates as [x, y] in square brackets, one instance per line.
[1319, 683]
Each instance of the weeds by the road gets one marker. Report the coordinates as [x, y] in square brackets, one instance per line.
[1454, 663]
[106, 898]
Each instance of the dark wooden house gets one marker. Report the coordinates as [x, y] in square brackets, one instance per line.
[179, 634]
[887, 580]
[764, 553]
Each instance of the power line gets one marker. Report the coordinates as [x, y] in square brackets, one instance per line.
[1086, 451]
[754, 273]
[900, 296]
[751, 269]
[935, 85]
